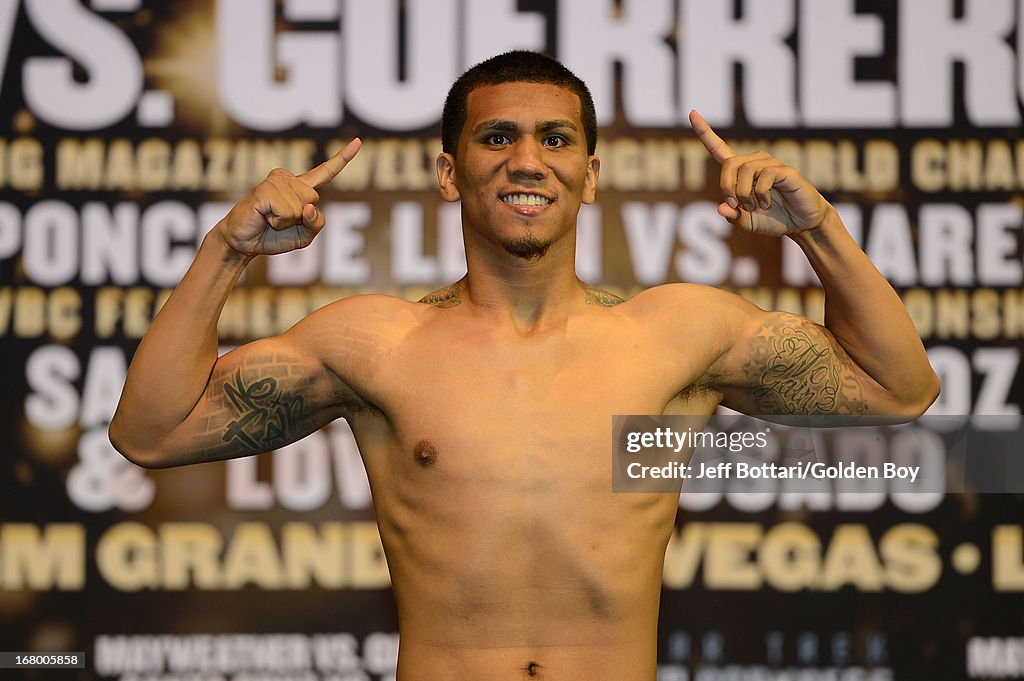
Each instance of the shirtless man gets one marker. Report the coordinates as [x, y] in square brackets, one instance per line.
[483, 412]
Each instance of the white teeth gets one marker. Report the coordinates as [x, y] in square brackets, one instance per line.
[525, 200]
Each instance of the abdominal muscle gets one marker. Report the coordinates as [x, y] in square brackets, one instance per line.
[544, 604]
[523, 576]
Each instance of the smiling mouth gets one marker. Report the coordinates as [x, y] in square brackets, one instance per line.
[526, 200]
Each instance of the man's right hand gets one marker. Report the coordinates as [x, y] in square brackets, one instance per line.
[280, 214]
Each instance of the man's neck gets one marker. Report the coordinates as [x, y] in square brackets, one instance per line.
[530, 294]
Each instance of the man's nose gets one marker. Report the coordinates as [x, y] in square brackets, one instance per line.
[527, 159]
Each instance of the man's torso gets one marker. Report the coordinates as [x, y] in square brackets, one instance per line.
[489, 456]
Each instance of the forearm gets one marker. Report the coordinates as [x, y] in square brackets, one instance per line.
[867, 317]
[171, 368]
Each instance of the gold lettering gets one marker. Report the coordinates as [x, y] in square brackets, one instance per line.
[851, 559]
[912, 564]
[310, 555]
[1008, 558]
[189, 555]
[683, 556]
[53, 558]
[728, 563]
[790, 557]
[252, 558]
[128, 558]
[952, 318]
[927, 166]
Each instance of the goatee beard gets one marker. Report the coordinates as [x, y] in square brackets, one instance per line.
[527, 247]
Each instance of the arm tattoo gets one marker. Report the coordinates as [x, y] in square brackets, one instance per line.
[449, 296]
[267, 417]
[796, 369]
[595, 296]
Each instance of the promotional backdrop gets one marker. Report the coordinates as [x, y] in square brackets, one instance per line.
[129, 127]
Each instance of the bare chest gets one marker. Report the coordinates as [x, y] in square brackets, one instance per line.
[506, 406]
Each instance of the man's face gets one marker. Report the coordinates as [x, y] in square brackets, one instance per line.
[522, 168]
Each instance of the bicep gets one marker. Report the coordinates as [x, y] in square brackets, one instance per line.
[782, 364]
[261, 396]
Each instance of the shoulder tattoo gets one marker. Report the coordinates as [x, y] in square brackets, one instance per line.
[797, 368]
[595, 296]
[449, 296]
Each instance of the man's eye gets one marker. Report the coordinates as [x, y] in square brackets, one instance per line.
[499, 139]
[554, 141]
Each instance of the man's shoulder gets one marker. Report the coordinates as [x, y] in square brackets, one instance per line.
[656, 296]
[687, 316]
[684, 297]
[376, 314]
[364, 306]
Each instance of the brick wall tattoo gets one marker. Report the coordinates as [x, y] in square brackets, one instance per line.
[267, 416]
[256, 408]
[796, 368]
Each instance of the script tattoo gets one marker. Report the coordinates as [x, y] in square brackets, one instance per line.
[449, 296]
[595, 296]
[797, 370]
[267, 417]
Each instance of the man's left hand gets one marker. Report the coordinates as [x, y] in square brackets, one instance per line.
[762, 195]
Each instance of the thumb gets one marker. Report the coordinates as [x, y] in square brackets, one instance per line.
[730, 212]
[313, 218]
[737, 217]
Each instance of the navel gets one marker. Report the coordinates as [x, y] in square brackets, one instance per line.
[425, 453]
[532, 670]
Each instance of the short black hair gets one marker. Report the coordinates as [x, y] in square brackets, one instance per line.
[511, 67]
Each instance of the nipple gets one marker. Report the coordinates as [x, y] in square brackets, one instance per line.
[425, 453]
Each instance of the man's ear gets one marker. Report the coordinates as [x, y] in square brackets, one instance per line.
[446, 177]
[590, 181]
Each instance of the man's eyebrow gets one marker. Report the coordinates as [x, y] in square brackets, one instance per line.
[503, 125]
[497, 124]
[547, 126]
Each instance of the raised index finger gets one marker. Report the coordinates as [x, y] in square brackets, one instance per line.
[329, 169]
[715, 145]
